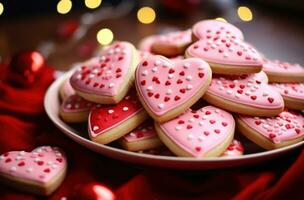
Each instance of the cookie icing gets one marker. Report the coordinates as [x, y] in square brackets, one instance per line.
[105, 74]
[67, 88]
[177, 38]
[206, 28]
[222, 49]
[105, 117]
[234, 149]
[251, 90]
[146, 43]
[282, 67]
[288, 125]
[142, 132]
[165, 85]
[76, 103]
[292, 90]
[198, 132]
[41, 165]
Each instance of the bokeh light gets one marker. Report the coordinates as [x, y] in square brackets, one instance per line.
[64, 6]
[92, 3]
[146, 15]
[1, 8]
[244, 13]
[221, 19]
[105, 36]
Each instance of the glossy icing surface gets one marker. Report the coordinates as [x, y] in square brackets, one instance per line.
[292, 90]
[251, 90]
[105, 117]
[235, 149]
[142, 132]
[204, 29]
[282, 67]
[165, 85]
[105, 74]
[178, 38]
[198, 132]
[41, 165]
[286, 126]
[76, 103]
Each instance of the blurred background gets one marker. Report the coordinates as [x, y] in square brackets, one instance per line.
[68, 31]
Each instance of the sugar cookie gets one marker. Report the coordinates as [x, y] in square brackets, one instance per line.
[40, 172]
[235, 149]
[206, 132]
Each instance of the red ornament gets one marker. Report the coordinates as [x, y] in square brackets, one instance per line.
[93, 191]
[25, 67]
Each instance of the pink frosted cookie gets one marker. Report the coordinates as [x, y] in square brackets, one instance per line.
[40, 171]
[110, 122]
[107, 78]
[142, 138]
[75, 109]
[204, 30]
[279, 71]
[245, 94]
[292, 93]
[206, 132]
[234, 149]
[66, 89]
[171, 44]
[166, 88]
[275, 132]
[226, 53]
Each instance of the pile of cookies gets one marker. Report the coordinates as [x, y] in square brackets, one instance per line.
[187, 93]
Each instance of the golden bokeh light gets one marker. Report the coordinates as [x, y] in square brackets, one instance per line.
[105, 36]
[64, 6]
[221, 19]
[92, 3]
[1, 8]
[244, 13]
[146, 15]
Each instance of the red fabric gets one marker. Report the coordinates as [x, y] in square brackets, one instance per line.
[24, 126]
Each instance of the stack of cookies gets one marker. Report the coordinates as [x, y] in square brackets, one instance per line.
[189, 92]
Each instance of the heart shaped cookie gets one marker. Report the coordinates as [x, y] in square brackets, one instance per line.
[66, 89]
[204, 30]
[279, 71]
[245, 94]
[203, 133]
[292, 93]
[274, 132]
[110, 122]
[146, 43]
[171, 44]
[40, 171]
[107, 78]
[166, 88]
[142, 138]
[227, 55]
[234, 149]
[75, 109]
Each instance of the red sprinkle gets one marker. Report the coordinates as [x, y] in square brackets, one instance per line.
[253, 97]
[21, 164]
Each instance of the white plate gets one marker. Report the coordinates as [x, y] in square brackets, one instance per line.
[52, 104]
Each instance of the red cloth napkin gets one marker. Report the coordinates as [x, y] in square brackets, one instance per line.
[24, 126]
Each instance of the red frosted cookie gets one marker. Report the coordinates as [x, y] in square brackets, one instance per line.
[171, 44]
[223, 48]
[75, 109]
[234, 149]
[110, 122]
[106, 79]
[206, 132]
[245, 94]
[205, 29]
[40, 171]
[166, 88]
[279, 71]
[66, 89]
[142, 138]
[275, 132]
[292, 93]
